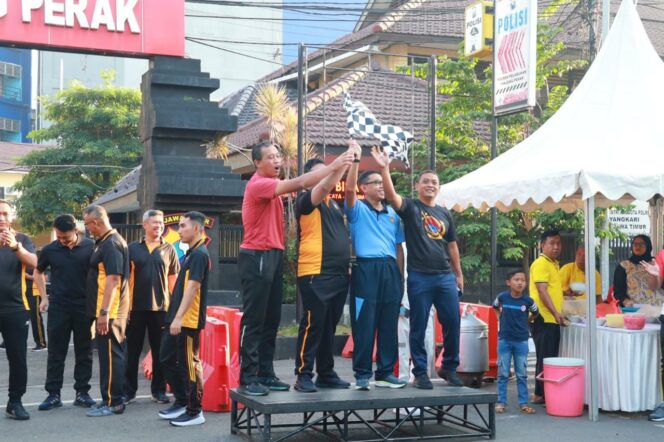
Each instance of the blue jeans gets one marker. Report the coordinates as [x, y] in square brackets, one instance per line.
[440, 290]
[506, 351]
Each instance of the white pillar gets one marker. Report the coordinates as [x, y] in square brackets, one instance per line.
[591, 329]
[604, 270]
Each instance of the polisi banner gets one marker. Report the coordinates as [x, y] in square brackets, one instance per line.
[128, 27]
[515, 55]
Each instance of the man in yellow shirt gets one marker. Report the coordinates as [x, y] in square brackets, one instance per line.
[576, 272]
[546, 290]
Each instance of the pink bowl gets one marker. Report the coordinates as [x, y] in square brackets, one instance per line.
[634, 322]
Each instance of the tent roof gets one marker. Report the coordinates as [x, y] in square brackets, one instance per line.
[607, 140]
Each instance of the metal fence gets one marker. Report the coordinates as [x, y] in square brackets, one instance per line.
[230, 238]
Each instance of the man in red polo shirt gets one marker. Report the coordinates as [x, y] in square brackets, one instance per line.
[261, 263]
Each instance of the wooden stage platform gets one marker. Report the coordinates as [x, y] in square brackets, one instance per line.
[367, 416]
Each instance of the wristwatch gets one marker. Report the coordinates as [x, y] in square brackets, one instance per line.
[103, 312]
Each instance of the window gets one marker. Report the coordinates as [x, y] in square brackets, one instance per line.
[10, 130]
[10, 81]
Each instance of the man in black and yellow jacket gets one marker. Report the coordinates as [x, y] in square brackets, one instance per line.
[16, 253]
[108, 304]
[179, 354]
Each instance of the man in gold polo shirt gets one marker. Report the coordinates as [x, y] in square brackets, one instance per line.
[547, 291]
[575, 272]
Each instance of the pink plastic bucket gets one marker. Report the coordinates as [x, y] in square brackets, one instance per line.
[564, 386]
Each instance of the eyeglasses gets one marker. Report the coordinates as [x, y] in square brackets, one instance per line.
[376, 182]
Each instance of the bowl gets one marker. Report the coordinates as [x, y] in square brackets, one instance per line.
[615, 320]
[577, 287]
[634, 322]
[629, 309]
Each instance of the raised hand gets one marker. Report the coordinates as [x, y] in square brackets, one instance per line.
[651, 267]
[343, 160]
[380, 157]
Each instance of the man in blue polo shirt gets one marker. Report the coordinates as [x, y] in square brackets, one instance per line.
[377, 278]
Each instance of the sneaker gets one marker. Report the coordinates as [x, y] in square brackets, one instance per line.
[105, 410]
[331, 382]
[161, 398]
[84, 400]
[422, 382]
[657, 414]
[390, 381]
[273, 383]
[16, 411]
[362, 385]
[173, 412]
[128, 399]
[52, 401]
[186, 420]
[304, 384]
[39, 348]
[451, 378]
[254, 389]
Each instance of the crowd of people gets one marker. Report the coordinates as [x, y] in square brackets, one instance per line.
[106, 291]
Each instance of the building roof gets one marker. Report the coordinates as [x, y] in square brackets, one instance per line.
[10, 153]
[126, 185]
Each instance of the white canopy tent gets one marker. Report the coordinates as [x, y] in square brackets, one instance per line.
[604, 146]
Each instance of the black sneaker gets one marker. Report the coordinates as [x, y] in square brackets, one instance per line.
[331, 382]
[304, 384]
[52, 401]
[128, 398]
[16, 411]
[84, 400]
[187, 420]
[161, 398]
[422, 382]
[39, 348]
[273, 383]
[173, 412]
[451, 378]
[657, 414]
[254, 389]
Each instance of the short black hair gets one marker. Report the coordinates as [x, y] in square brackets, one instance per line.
[257, 150]
[512, 273]
[311, 163]
[65, 223]
[425, 172]
[548, 234]
[364, 176]
[196, 217]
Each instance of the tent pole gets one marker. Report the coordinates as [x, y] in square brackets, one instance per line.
[494, 154]
[604, 247]
[591, 329]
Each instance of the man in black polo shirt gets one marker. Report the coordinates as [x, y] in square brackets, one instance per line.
[154, 267]
[185, 319]
[16, 253]
[108, 304]
[434, 270]
[68, 257]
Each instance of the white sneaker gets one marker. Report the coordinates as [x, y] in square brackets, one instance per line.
[172, 412]
[186, 420]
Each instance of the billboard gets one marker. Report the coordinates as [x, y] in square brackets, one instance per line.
[515, 55]
[127, 27]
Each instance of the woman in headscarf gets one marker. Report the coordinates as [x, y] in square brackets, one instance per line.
[630, 279]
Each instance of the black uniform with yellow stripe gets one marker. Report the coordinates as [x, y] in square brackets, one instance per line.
[151, 267]
[179, 355]
[323, 262]
[110, 257]
[15, 315]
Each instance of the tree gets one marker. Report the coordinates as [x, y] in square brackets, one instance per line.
[96, 136]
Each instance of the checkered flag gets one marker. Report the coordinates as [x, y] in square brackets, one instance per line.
[362, 122]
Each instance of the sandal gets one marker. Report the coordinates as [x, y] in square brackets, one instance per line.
[537, 400]
[500, 408]
[526, 409]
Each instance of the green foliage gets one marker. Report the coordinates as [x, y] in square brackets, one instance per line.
[95, 127]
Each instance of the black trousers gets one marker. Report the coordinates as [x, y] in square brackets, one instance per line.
[112, 349]
[375, 298]
[62, 323]
[661, 342]
[323, 298]
[261, 275]
[139, 322]
[546, 336]
[182, 368]
[36, 320]
[14, 330]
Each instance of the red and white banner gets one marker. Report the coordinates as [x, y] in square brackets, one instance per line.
[129, 27]
[515, 55]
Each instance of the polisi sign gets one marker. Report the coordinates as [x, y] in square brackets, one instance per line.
[132, 27]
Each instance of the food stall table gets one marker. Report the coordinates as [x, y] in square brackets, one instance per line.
[628, 361]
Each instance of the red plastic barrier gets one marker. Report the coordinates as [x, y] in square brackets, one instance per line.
[347, 351]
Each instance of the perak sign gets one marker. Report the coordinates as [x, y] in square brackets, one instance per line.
[515, 55]
[128, 27]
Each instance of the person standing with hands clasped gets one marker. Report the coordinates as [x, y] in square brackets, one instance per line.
[514, 308]
[434, 270]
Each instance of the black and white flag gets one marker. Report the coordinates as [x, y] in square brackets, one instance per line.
[362, 122]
